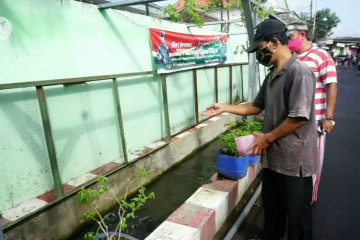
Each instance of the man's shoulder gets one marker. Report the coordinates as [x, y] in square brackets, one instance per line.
[318, 54]
[301, 66]
[300, 70]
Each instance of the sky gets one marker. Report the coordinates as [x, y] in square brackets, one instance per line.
[347, 10]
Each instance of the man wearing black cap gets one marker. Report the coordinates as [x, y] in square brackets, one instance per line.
[288, 141]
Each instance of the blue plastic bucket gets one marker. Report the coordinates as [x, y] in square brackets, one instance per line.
[253, 159]
[231, 167]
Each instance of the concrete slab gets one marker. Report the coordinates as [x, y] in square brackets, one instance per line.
[211, 199]
[173, 231]
[23, 209]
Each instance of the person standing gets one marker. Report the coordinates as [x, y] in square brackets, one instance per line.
[324, 69]
[288, 141]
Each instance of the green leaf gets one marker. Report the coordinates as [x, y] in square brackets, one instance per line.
[90, 236]
[130, 215]
[102, 179]
[88, 215]
[123, 225]
[236, 130]
[143, 172]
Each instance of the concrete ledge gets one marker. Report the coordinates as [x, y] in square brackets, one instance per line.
[59, 219]
[216, 200]
[218, 197]
[169, 230]
[195, 216]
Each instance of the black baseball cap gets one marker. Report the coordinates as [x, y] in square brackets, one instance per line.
[266, 28]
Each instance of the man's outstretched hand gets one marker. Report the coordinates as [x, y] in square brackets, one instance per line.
[213, 109]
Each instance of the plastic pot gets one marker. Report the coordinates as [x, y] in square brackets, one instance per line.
[231, 167]
[253, 160]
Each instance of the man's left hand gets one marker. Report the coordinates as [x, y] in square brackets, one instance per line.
[260, 144]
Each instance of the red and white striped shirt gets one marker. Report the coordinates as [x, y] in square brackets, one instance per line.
[324, 69]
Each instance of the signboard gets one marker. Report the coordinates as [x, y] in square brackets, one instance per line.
[340, 44]
[174, 51]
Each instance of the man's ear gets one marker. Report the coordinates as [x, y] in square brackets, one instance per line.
[302, 34]
[276, 42]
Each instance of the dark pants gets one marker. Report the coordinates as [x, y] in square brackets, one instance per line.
[287, 202]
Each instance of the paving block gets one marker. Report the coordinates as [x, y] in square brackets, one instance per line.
[174, 231]
[225, 185]
[212, 199]
[197, 217]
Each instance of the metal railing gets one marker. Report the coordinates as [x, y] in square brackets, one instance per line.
[42, 101]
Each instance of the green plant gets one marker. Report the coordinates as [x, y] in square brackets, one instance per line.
[126, 208]
[192, 12]
[237, 129]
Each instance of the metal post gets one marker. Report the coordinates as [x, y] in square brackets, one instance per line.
[1, 231]
[166, 107]
[49, 140]
[196, 97]
[230, 83]
[248, 19]
[242, 83]
[252, 58]
[216, 84]
[119, 117]
[147, 9]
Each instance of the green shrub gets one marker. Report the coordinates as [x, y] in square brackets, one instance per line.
[126, 207]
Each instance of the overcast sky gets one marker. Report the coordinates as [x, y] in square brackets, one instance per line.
[347, 10]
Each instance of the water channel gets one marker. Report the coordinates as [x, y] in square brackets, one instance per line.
[172, 189]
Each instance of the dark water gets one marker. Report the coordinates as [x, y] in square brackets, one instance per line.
[171, 191]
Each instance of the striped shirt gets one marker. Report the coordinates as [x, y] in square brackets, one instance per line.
[324, 69]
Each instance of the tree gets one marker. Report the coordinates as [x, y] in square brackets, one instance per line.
[325, 21]
[192, 11]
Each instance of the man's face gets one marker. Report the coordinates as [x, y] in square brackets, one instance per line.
[297, 34]
[296, 40]
[265, 53]
[294, 35]
[262, 45]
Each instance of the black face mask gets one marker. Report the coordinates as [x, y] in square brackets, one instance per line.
[264, 55]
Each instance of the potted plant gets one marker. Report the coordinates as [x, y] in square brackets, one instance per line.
[126, 208]
[244, 138]
[229, 162]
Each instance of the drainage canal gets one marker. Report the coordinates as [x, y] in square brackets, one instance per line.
[171, 191]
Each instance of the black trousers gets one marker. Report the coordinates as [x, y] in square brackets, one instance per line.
[286, 202]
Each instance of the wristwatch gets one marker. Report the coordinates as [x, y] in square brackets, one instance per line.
[328, 118]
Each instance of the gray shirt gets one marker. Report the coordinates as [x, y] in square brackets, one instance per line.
[290, 94]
